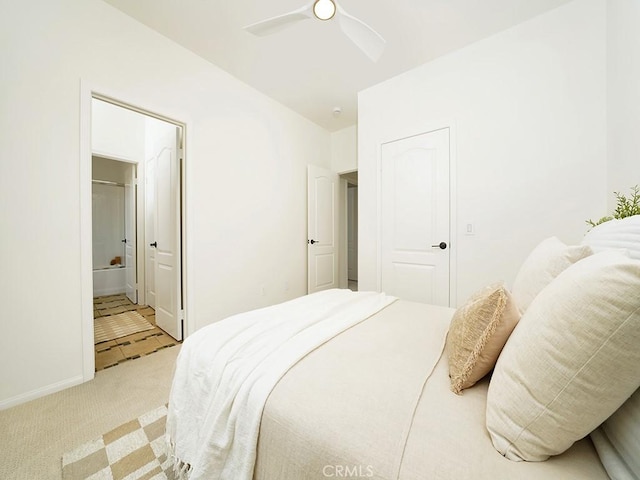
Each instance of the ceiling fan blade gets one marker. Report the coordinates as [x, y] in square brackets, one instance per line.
[365, 37]
[275, 24]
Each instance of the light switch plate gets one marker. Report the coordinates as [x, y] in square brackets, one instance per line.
[469, 229]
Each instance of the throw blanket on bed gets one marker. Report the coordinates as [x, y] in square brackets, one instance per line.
[226, 371]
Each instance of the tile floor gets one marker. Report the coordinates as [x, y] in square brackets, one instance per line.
[114, 352]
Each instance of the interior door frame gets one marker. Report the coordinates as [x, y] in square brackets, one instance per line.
[348, 223]
[453, 221]
[138, 223]
[88, 91]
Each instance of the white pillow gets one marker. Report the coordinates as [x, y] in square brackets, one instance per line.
[617, 441]
[543, 264]
[571, 361]
[623, 234]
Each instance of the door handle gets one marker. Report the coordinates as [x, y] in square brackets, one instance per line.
[154, 244]
[124, 240]
[441, 246]
[313, 241]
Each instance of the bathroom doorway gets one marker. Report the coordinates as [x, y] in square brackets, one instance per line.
[113, 228]
[137, 198]
[349, 227]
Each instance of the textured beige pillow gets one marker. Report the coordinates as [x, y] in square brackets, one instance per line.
[479, 329]
[571, 361]
[543, 264]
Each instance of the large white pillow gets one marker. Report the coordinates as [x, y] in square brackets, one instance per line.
[544, 263]
[623, 233]
[617, 441]
[571, 361]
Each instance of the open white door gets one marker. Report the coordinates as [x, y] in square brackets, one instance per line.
[322, 229]
[131, 287]
[415, 246]
[164, 141]
[150, 230]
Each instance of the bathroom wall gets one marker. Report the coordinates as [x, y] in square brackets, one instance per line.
[108, 225]
[108, 217]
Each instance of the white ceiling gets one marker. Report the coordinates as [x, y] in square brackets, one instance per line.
[312, 67]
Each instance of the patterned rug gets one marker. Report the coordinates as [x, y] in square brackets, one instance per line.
[120, 325]
[134, 451]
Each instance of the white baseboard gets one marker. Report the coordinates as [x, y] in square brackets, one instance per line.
[40, 392]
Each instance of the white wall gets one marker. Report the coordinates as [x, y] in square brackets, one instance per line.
[528, 112]
[623, 90]
[238, 141]
[344, 158]
[344, 150]
[116, 132]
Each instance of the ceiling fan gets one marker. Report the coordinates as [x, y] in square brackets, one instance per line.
[365, 37]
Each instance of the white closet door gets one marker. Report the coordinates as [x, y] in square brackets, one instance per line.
[415, 218]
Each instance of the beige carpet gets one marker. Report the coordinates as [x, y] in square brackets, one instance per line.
[35, 435]
[120, 325]
[134, 450]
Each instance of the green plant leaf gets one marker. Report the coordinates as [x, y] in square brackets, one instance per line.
[625, 206]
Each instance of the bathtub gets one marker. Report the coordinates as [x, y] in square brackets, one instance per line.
[109, 280]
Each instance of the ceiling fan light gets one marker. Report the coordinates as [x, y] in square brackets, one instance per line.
[324, 9]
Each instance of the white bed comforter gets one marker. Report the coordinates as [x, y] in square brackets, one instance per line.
[226, 371]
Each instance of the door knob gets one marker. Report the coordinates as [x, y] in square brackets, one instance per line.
[441, 245]
[154, 244]
[313, 241]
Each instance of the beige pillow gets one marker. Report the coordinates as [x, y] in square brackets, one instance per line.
[479, 329]
[571, 361]
[543, 264]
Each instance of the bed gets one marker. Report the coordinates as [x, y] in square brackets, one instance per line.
[370, 395]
